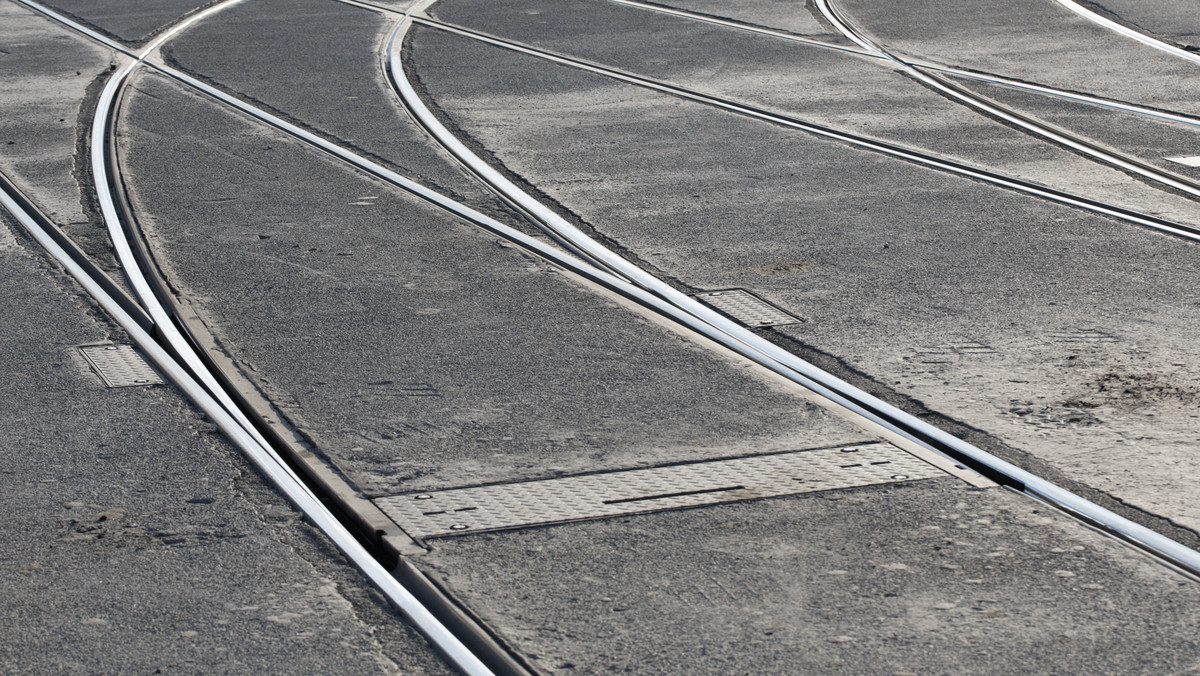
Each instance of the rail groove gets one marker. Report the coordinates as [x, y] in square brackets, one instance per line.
[994, 108]
[155, 331]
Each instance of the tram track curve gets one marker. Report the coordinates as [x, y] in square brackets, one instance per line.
[703, 320]
[158, 327]
[781, 361]
[991, 78]
[1128, 32]
[1008, 114]
[857, 140]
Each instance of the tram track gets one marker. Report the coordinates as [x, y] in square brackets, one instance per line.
[991, 78]
[932, 78]
[781, 361]
[598, 265]
[164, 332]
[1128, 32]
[1007, 114]
[856, 140]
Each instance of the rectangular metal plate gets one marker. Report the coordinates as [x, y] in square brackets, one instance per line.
[120, 365]
[748, 308]
[483, 508]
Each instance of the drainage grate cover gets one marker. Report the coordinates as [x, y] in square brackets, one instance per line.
[748, 308]
[120, 365]
[483, 508]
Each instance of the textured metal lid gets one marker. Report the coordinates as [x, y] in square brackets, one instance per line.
[120, 365]
[500, 506]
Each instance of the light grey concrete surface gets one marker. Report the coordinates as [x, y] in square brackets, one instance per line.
[925, 578]
[854, 94]
[1041, 325]
[134, 539]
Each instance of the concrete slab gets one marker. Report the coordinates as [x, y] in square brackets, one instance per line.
[851, 93]
[416, 351]
[928, 577]
[1054, 331]
[133, 538]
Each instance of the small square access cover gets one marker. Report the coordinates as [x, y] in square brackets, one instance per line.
[748, 308]
[120, 365]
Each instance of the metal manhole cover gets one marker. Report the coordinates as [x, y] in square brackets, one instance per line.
[483, 508]
[748, 308]
[120, 365]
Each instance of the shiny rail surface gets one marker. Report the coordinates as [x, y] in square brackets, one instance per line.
[1128, 32]
[1025, 122]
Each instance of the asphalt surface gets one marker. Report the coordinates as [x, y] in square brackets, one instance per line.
[929, 578]
[136, 540]
[794, 79]
[1054, 308]
[414, 352]
[1034, 41]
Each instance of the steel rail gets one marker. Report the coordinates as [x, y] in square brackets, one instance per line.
[1123, 106]
[738, 338]
[1025, 122]
[106, 183]
[569, 263]
[1128, 32]
[175, 357]
[267, 461]
[1062, 197]
[750, 28]
[691, 313]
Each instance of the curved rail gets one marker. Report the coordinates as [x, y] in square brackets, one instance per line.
[1127, 31]
[175, 357]
[1027, 123]
[1123, 106]
[716, 327]
[1189, 232]
[272, 466]
[692, 314]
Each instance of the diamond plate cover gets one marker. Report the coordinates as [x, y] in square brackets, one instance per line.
[482, 508]
[120, 365]
[748, 308]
